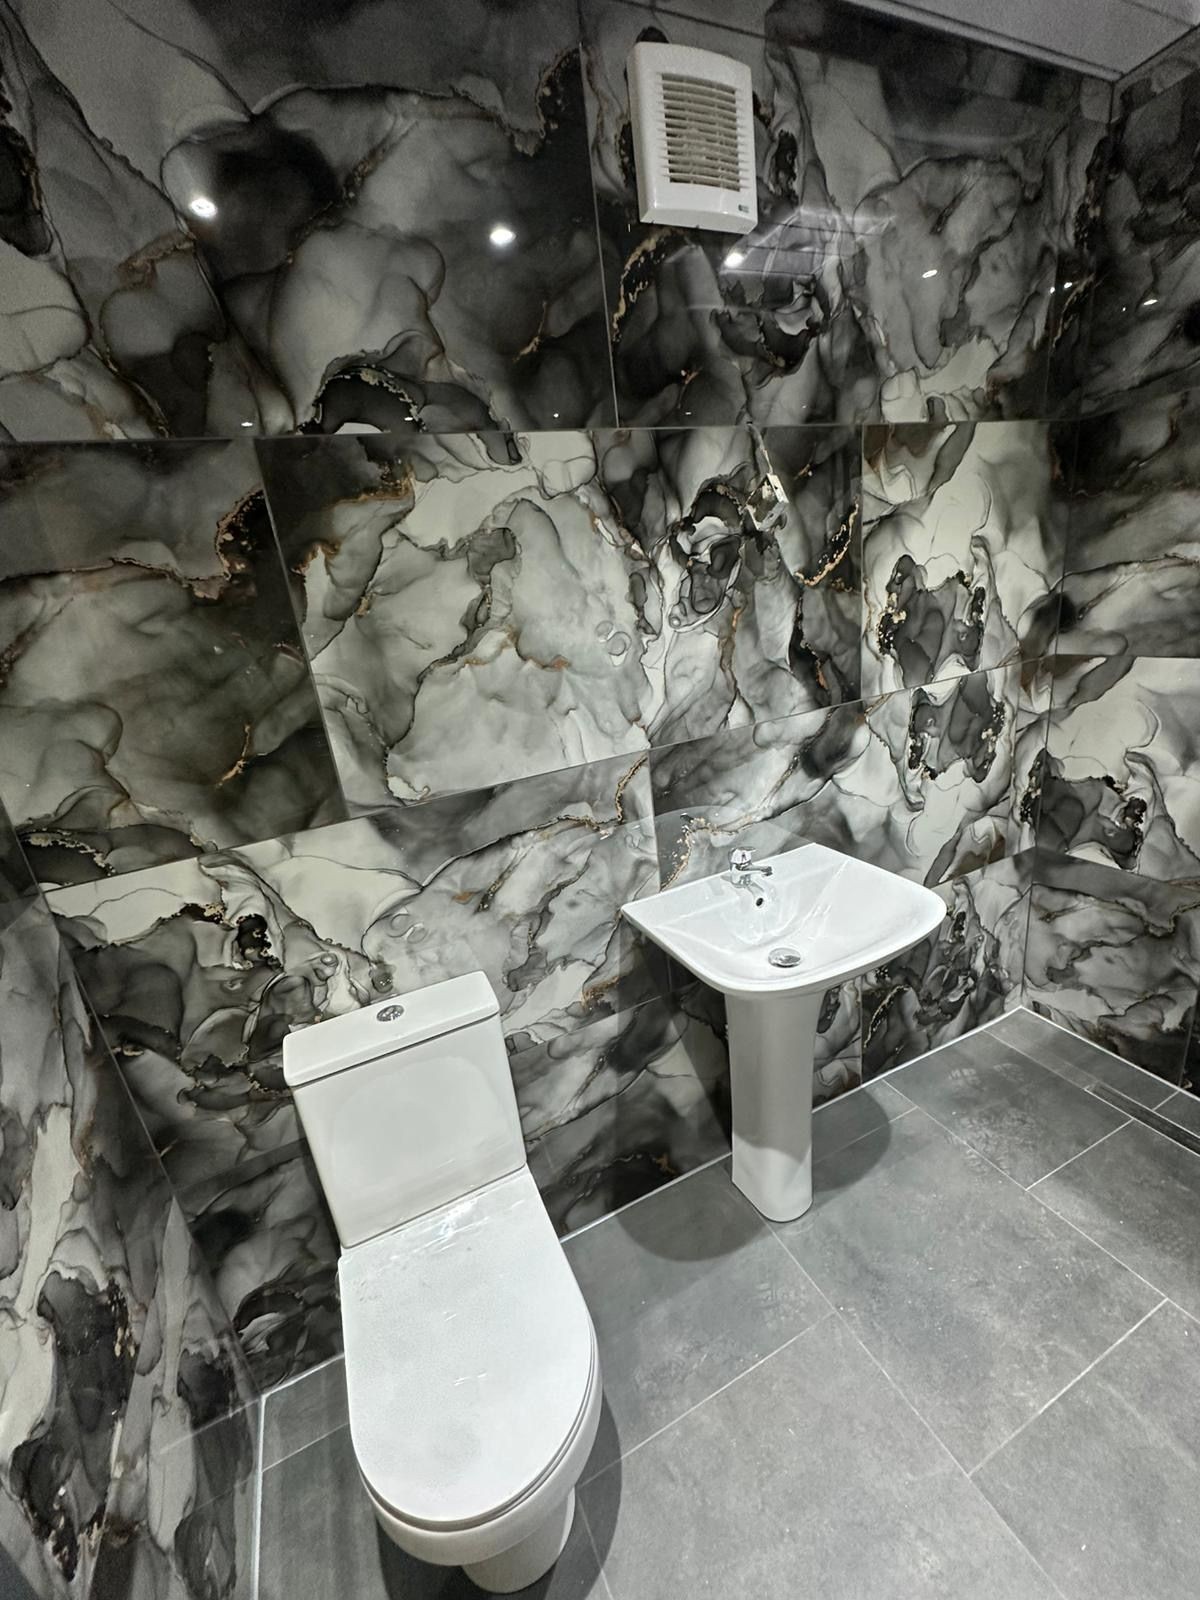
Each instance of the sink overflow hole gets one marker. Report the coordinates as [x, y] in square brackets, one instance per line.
[783, 957]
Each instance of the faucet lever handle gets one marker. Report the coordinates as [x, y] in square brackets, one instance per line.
[741, 860]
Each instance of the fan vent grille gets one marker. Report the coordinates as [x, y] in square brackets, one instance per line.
[700, 132]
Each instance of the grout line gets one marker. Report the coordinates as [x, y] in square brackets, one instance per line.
[580, 1511]
[714, 1161]
[1090, 1044]
[1076, 1156]
[943, 1446]
[256, 1556]
[1066, 1386]
[650, 1194]
[1045, 1204]
[737, 1378]
[302, 1377]
[1083, 1234]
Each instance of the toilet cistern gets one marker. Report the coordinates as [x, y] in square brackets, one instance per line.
[773, 953]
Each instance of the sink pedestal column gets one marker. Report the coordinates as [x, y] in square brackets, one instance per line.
[771, 1041]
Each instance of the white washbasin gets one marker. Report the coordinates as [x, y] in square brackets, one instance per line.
[841, 916]
[830, 918]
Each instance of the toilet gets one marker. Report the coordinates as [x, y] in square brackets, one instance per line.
[471, 1362]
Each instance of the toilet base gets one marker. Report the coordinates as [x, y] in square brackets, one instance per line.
[524, 1563]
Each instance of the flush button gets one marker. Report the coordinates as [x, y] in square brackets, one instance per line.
[389, 1014]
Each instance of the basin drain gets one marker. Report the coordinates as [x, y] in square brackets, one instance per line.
[785, 957]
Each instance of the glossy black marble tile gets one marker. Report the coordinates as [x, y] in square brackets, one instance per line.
[299, 221]
[1115, 957]
[907, 244]
[566, 596]
[156, 701]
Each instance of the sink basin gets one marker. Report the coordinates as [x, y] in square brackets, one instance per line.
[773, 949]
[840, 916]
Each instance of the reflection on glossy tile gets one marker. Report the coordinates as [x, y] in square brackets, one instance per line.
[846, 301]
[957, 979]
[439, 179]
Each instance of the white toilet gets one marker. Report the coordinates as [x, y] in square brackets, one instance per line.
[471, 1362]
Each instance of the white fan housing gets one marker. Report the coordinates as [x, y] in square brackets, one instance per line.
[693, 130]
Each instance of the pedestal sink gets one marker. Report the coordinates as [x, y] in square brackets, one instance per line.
[773, 946]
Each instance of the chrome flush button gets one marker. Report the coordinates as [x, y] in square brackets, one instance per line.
[389, 1014]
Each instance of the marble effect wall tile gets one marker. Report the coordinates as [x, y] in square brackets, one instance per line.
[272, 1250]
[174, 244]
[567, 596]
[918, 782]
[198, 969]
[1120, 783]
[80, 1230]
[903, 258]
[659, 1106]
[1030, 759]
[155, 700]
[966, 974]
[1145, 325]
[180, 1513]
[1132, 578]
[964, 528]
[1115, 957]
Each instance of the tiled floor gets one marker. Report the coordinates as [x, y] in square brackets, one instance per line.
[971, 1372]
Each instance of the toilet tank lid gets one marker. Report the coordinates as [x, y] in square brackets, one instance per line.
[347, 1041]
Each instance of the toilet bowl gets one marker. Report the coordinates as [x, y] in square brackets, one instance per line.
[471, 1365]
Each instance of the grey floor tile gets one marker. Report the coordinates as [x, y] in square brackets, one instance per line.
[852, 1116]
[1183, 1108]
[1138, 1194]
[979, 1303]
[1077, 1060]
[1103, 1486]
[320, 1541]
[809, 1476]
[1020, 1115]
[301, 1412]
[687, 1289]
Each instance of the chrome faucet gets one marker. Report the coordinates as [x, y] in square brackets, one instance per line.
[744, 874]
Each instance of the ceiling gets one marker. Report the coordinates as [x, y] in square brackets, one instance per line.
[1105, 37]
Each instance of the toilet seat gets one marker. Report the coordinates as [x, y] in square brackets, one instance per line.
[470, 1359]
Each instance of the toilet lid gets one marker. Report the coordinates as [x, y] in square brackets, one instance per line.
[469, 1354]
